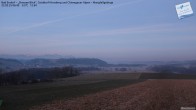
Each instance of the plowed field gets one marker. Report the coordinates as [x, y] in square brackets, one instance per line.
[148, 95]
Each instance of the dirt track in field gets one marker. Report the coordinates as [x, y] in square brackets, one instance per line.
[148, 95]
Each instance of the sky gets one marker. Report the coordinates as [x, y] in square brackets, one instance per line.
[122, 32]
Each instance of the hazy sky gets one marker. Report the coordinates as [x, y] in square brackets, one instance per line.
[128, 30]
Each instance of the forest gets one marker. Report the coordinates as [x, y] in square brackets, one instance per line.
[36, 75]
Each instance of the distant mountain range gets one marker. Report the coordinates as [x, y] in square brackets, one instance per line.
[28, 57]
[8, 64]
[62, 62]
[13, 64]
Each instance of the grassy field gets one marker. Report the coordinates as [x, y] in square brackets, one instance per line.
[22, 97]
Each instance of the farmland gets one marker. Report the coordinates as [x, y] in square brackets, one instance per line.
[110, 91]
[163, 94]
[22, 97]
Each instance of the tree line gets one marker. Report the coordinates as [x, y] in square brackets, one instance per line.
[35, 75]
